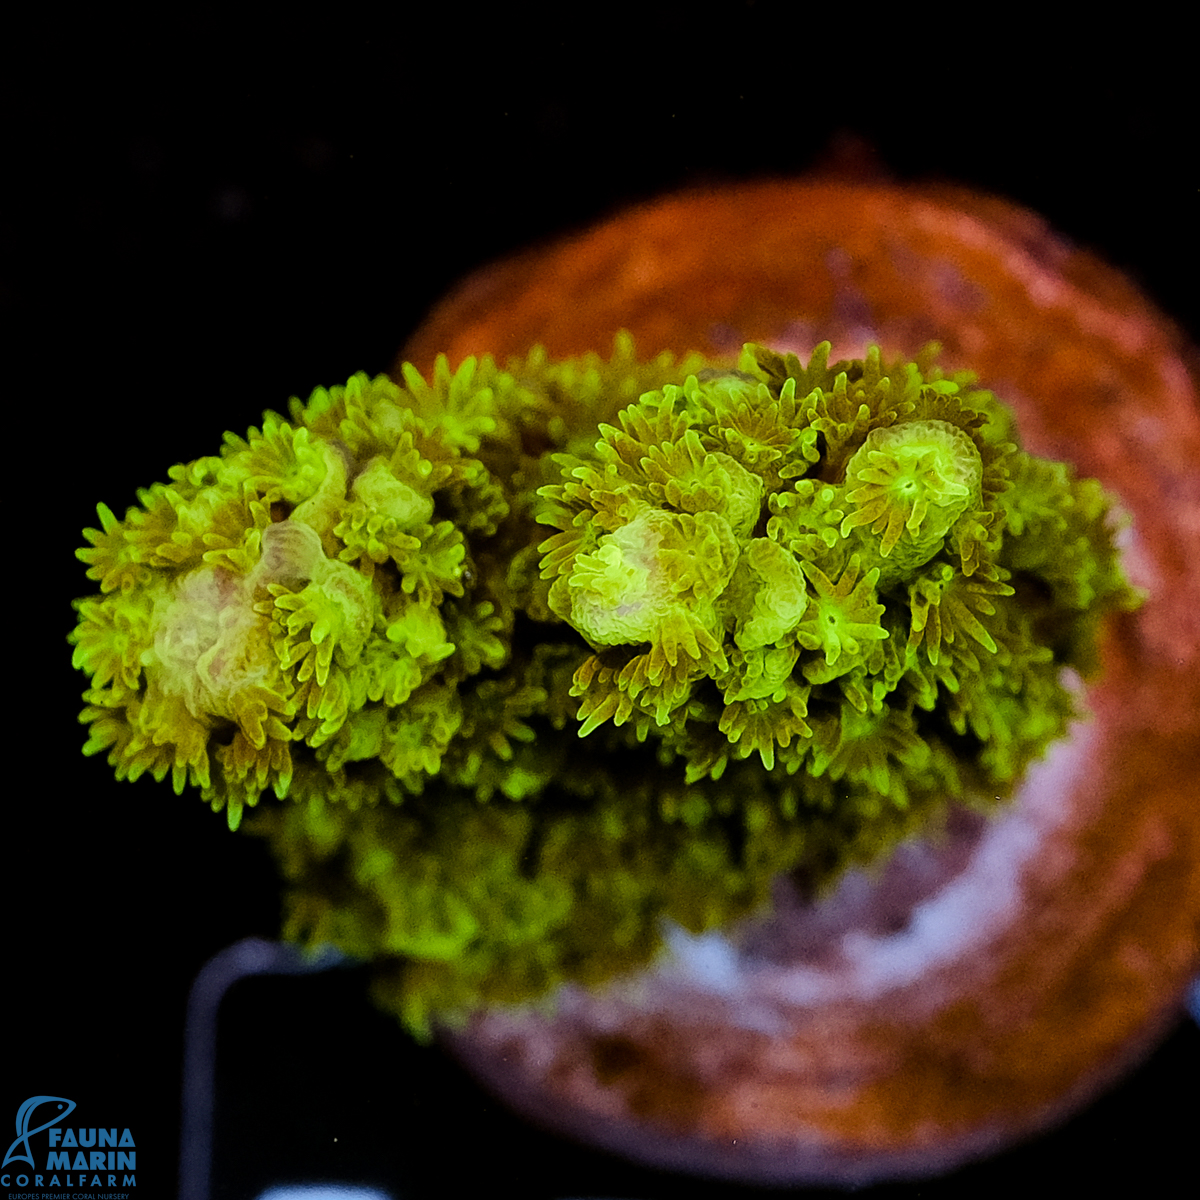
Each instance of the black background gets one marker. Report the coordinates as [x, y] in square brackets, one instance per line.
[204, 214]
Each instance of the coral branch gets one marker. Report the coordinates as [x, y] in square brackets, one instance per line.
[789, 609]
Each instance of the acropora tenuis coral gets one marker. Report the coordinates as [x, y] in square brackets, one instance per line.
[783, 615]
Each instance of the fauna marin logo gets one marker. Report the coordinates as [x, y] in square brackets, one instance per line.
[71, 1158]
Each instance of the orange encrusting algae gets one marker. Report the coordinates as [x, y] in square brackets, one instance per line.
[1073, 977]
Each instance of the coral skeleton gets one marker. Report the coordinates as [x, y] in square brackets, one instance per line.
[537, 659]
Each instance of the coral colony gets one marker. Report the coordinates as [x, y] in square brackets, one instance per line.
[781, 617]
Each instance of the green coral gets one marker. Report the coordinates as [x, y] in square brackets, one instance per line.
[784, 614]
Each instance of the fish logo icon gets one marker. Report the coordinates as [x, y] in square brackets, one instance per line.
[24, 1133]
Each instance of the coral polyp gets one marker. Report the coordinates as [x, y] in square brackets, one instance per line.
[533, 659]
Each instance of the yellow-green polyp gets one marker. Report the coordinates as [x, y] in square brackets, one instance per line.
[776, 626]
